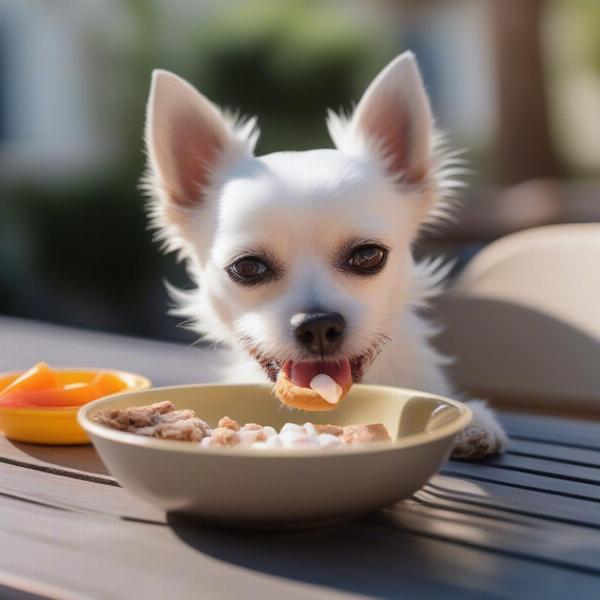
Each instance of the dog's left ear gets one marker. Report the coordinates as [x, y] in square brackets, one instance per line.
[393, 119]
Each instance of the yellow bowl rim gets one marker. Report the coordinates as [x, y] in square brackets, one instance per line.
[140, 383]
[464, 417]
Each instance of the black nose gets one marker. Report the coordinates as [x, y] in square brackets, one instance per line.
[319, 332]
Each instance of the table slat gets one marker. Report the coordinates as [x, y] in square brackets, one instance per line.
[23, 343]
[368, 557]
[529, 481]
[552, 430]
[542, 466]
[560, 453]
[498, 496]
[519, 526]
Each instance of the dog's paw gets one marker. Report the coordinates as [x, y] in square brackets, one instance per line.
[484, 436]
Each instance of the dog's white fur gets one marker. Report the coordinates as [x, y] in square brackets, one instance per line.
[214, 201]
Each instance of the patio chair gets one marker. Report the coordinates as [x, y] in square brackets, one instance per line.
[523, 320]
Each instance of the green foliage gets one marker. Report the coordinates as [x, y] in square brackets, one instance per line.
[87, 257]
[285, 62]
[587, 22]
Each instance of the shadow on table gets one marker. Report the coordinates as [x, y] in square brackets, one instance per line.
[81, 458]
[367, 556]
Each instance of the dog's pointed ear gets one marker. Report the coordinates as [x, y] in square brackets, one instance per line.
[394, 119]
[187, 139]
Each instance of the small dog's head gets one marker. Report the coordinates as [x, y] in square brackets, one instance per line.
[301, 257]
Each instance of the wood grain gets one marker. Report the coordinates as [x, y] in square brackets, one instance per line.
[525, 525]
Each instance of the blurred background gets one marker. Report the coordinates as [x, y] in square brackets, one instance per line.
[516, 82]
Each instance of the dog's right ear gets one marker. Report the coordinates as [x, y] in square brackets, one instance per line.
[188, 140]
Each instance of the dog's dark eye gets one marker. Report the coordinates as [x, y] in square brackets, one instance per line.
[249, 269]
[367, 259]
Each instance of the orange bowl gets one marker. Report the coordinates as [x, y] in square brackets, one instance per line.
[57, 426]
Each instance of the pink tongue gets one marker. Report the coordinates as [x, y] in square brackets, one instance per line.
[302, 373]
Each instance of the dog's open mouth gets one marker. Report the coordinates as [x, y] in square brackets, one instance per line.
[343, 370]
[302, 373]
[314, 384]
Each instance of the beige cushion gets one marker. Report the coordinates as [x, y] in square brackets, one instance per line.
[524, 318]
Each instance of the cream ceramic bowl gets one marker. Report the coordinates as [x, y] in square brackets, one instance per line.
[240, 486]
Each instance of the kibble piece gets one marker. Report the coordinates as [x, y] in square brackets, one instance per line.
[189, 430]
[134, 417]
[229, 423]
[157, 420]
[176, 415]
[252, 426]
[364, 434]
[330, 429]
[149, 431]
[223, 436]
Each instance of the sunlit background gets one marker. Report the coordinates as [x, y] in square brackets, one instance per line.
[516, 82]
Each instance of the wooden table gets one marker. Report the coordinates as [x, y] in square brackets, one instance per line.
[525, 525]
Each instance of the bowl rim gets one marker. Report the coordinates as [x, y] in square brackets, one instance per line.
[464, 417]
[141, 383]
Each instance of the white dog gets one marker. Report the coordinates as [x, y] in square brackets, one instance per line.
[302, 260]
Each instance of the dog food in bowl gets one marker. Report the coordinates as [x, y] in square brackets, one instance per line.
[163, 420]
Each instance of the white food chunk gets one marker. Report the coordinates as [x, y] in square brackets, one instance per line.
[273, 442]
[269, 431]
[261, 445]
[309, 441]
[310, 429]
[249, 436]
[326, 440]
[290, 439]
[289, 427]
[326, 387]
